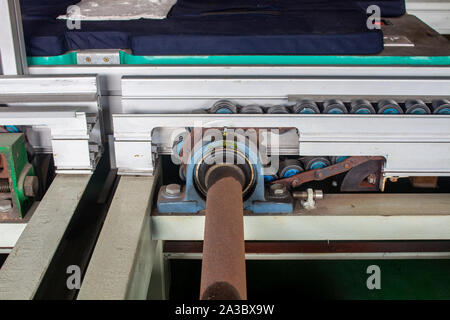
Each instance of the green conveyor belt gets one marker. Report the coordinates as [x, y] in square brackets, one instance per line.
[129, 59]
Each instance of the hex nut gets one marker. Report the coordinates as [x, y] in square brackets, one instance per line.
[278, 189]
[31, 186]
[5, 205]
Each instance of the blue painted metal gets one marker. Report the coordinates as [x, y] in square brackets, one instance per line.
[224, 110]
[318, 165]
[179, 146]
[290, 173]
[391, 111]
[335, 111]
[340, 159]
[194, 202]
[444, 111]
[363, 111]
[269, 178]
[418, 111]
[12, 129]
[307, 111]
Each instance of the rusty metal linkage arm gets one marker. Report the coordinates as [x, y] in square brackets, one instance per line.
[324, 173]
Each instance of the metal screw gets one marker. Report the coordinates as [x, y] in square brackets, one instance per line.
[371, 179]
[278, 189]
[173, 189]
[308, 197]
[106, 59]
[88, 59]
[393, 179]
[5, 205]
[303, 195]
[318, 194]
[30, 186]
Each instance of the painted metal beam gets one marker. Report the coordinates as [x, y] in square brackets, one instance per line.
[337, 217]
[123, 259]
[26, 265]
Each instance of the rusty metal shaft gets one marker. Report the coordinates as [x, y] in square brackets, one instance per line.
[223, 265]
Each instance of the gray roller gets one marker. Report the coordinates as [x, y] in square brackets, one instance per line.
[277, 109]
[252, 109]
[441, 106]
[388, 106]
[416, 106]
[306, 106]
[361, 106]
[290, 167]
[334, 106]
[311, 163]
[224, 106]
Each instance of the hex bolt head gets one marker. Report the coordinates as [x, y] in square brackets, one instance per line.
[31, 186]
[5, 205]
[278, 189]
[173, 189]
[371, 179]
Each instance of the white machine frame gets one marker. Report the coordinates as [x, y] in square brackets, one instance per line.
[123, 91]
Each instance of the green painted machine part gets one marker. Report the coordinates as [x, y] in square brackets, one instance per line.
[17, 180]
[129, 59]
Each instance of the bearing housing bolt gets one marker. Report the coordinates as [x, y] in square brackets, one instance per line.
[278, 189]
[173, 189]
[5, 205]
[30, 186]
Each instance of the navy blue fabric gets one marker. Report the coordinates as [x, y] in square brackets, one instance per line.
[38, 9]
[215, 27]
[389, 8]
[198, 8]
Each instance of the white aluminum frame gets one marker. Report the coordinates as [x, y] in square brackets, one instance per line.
[312, 227]
[70, 136]
[12, 45]
[64, 114]
[396, 137]
[162, 94]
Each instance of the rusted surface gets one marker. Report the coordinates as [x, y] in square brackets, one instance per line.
[223, 266]
[4, 174]
[364, 177]
[278, 247]
[424, 182]
[324, 173]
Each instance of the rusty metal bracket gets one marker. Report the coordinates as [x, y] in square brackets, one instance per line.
[324, 173]
[365, 177]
